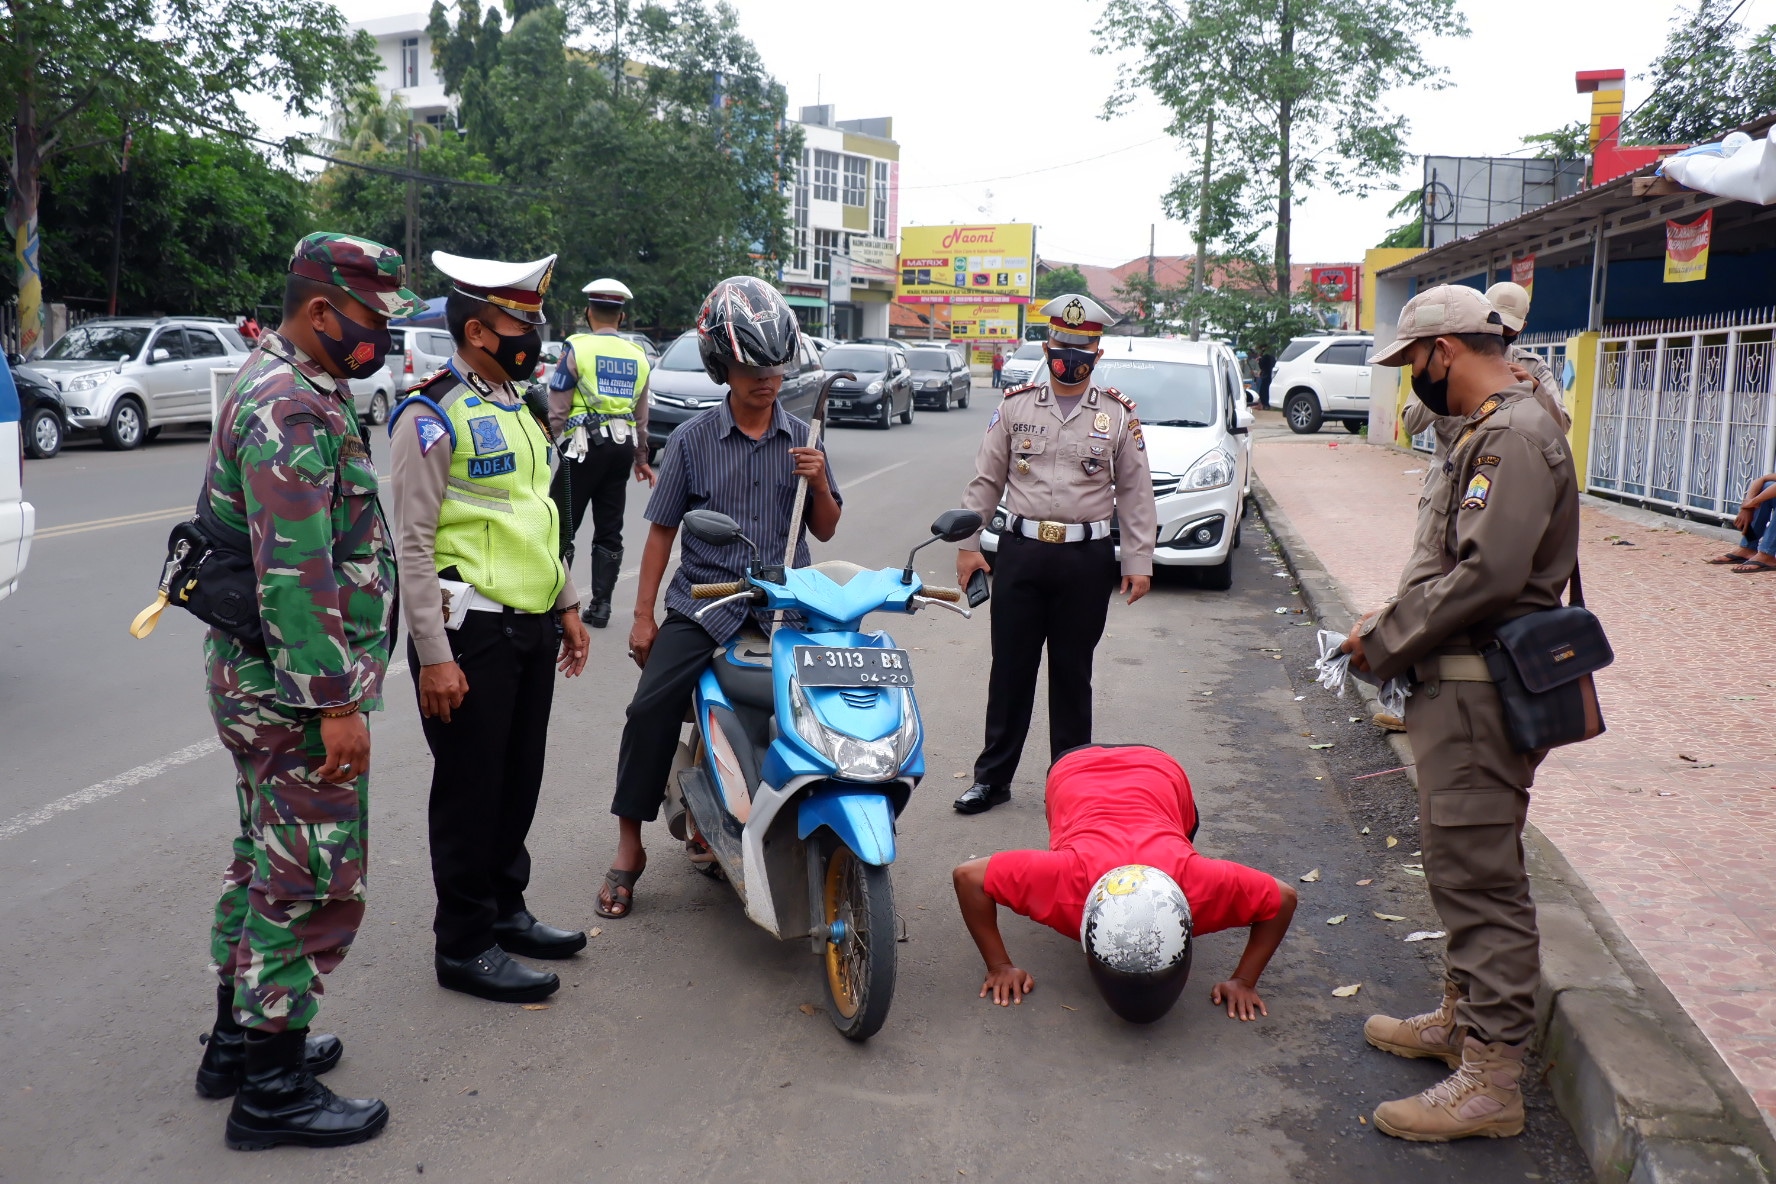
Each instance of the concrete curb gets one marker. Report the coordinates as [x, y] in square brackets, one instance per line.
[1649, 1098]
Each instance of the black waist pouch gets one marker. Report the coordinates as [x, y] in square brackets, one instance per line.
[1542, 664]
[209, 573]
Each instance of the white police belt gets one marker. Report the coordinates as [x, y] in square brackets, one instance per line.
[461, 599]
[1059, 532]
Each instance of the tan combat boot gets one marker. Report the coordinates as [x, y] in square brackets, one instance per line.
[1483, 1097]
[1433, 1034]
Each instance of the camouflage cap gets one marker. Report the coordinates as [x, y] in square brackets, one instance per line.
[376, 275]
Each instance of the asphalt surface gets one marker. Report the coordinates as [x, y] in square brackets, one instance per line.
[678, 1048]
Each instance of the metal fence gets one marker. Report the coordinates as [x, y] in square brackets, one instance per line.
[1683, 415]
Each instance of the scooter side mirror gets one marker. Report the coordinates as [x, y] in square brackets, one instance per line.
[708, 526]
[952, 526]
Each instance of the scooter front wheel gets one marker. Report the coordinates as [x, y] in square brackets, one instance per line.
[859, 911]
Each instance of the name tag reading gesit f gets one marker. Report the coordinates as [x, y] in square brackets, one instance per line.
[835, 666]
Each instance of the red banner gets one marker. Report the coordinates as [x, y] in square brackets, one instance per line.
[1523, 273]
[1338, 284]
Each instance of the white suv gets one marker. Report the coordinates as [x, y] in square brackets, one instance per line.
[127, 377]
[1324, 377]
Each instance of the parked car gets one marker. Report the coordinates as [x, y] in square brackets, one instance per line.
[680, 389]
[18, 519]
[126, 378]
[1324, 376]
[822, 344]
[1199, 447]
[43, 412]
[1024, 365]
[375, 397]
[423, 353]
[940, 379]
[882, 388]
[646, 343]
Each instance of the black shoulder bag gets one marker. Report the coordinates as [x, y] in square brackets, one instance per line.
[1542, 664]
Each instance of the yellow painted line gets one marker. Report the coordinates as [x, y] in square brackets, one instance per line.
[147, 516]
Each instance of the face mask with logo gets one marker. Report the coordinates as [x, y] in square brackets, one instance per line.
[1070, 366]
[516, 354]
[1433, 394]
[358, 351]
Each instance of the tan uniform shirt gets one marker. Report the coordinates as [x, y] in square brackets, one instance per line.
[417, 480]
[561, 402]
[1082, 468]
[1498, 535]
[1415, 416]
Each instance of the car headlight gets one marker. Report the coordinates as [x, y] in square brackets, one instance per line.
[1212, 471]
[874, 388]
[857, 760]
[85, 382]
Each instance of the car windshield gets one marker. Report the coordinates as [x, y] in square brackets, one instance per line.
[1297, 347]
[98, 343]
[683, 354]
[856, 357]
[1169, 394]
[928, 359]
[1028, 350]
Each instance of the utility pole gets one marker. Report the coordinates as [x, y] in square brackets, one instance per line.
[117, 222]
[1202, 229]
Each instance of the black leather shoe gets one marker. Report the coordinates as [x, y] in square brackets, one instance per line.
[492, 975]
[979, 798]
[281, 1102]
[522, 933]
[225, 1051]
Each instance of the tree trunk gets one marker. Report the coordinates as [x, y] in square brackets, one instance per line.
[1285, 161]
[1202, 227]
[21, 221]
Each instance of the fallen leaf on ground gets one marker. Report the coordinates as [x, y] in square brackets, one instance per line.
[1362, 1120]
[1364, 831]
[1413, 871]
[1346, 992]
[1312, 877]
[595, 933]
[1410, 866]
[1317, 747]
[958, 776]
[1070, 1008]
[1388, 917]
[1425, 934]
[807, 1009]
[536, 1006]
[1338, 920]
[1392, 841]
[1364, 883]
[1684, 756]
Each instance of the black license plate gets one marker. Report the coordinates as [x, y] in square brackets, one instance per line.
[833, 666]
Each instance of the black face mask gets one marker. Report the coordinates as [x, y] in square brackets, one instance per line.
[1071, 366]
[517, 353]
[358, 352]
[1433, 394]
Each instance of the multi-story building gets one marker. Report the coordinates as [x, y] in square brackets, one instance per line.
[846, 210]
[406, 52]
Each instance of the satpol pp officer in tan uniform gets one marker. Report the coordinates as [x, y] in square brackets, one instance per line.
[1498, 536]
[1067, 456]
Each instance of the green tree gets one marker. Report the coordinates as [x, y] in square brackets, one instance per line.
[1567, 142]
[1407, 234]
[75, 75]
[1708, 80]
[1059, 282]
[1296, 89]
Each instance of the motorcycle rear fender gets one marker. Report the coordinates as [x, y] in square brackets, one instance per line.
[862, 819]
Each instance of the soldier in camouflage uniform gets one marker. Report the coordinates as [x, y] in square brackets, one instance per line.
[289, 468]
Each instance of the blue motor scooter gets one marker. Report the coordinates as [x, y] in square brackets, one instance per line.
[806, 746]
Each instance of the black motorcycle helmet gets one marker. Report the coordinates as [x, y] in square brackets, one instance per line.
[745, 320]
[1136, 934]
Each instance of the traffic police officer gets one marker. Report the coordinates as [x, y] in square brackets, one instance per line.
[598, 412]
[1497, 537]
[288, 470]
[490, 615]
[1067, 456]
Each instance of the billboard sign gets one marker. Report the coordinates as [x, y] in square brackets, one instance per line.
[984, 322]
[839, 289]
[1686, 249]
[1337, 284]
[872, 254]
[983, 264]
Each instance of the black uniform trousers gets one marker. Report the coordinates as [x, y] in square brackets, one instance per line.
[601, 479]
[1056, 594]
[681, 653]
[487, 769]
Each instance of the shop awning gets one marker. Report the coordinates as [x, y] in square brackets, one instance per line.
[805, 301]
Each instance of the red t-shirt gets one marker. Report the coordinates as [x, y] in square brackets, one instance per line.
[1113, 806]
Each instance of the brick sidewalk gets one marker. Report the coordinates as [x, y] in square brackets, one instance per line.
[1681, 852]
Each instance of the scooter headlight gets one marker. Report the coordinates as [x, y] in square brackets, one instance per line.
[857, 760]
[807, 724]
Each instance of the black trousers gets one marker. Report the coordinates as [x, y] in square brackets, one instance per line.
[487, 768]
[600, 479]
[656, 715]
[1054, 594]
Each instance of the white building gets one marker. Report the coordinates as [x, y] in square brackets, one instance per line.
[846, 208]
[405, 50]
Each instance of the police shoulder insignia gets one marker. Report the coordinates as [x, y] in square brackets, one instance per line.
[1485, 460]
[993, 422]
[1487, 408]
[430, 432]
[1120, 397]
[1018, 390]
[1479, 489]
[437, 375]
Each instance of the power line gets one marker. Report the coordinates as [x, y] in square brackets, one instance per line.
[1031, 173]
[294, 146]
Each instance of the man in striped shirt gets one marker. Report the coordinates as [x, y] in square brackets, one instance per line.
[741, 458]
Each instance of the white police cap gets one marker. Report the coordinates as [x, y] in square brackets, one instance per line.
[518, 288]
[607, 291]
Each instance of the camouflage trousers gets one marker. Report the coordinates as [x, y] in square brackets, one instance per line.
[293, 895]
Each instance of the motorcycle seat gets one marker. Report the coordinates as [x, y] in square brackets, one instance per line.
[746, 685]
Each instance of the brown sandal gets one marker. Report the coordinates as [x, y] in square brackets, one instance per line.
[618, 881]
[1727, 559]
[1752, 567]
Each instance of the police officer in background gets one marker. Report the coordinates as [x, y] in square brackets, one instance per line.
[598, 413]
[1066, 455]
[491, 615]
[1498, 536]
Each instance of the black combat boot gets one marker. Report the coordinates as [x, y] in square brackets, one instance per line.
[281, 1102]
[225, 1051]
[606, 566]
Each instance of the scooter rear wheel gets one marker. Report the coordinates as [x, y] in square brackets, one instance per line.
[859, 966]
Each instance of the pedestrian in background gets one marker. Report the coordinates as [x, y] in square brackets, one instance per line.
[491, 614]
[998, 366]
[1498, 537]
[290, 472]
[1067, 456]
[1267, 365]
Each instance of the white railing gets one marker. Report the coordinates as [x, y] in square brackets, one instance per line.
[1684, 416]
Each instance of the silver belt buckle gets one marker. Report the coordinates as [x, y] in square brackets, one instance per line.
[1051, 532]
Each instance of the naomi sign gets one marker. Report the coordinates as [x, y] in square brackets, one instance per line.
[991, 263]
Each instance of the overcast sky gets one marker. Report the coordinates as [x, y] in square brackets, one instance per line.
[982, 95]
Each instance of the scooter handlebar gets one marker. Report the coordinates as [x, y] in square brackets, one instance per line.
[717, 591]
[953, 595]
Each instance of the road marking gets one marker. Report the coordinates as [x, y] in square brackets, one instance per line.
[100, 790]
[147, 516]
[877, 473]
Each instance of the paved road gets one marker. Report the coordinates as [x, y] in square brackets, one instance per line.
[678, 1050]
